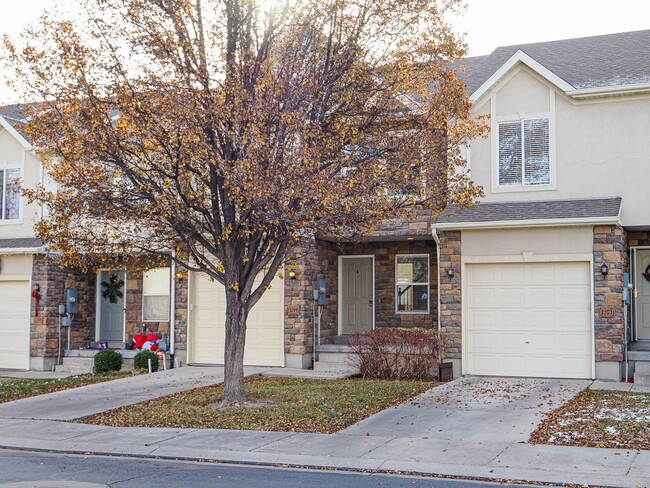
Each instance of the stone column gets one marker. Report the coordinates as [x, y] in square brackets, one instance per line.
[610, 247]
[450, 298]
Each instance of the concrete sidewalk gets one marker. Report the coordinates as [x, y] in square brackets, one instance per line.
[39, 424]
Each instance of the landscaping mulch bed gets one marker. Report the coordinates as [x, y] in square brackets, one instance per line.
[286, 405]
[599, 419]
[16, 388]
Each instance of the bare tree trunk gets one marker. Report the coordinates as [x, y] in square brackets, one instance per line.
[236, 315]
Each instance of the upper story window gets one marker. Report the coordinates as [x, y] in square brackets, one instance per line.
[9, 194]
[524, 154]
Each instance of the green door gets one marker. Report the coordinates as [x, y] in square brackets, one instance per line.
[111, 305]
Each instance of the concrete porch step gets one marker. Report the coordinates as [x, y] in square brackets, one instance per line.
[83, 361]
[334, 361]
[642, 373]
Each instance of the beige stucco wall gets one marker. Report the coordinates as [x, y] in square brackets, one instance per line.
[13, 267]
[13, 154]
[515, 242]
[602, 147]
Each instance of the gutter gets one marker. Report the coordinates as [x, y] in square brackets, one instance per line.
[22, 250]
[615, 90]
[509, 224]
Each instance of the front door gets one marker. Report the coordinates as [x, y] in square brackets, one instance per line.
[110, 298]
[357, 295]
[642, 303]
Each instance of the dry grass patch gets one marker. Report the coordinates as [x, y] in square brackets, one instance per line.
[599, 419]
[16, 388]
[291, 405]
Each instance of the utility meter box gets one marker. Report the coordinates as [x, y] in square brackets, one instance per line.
[320, 288]
[71, 301]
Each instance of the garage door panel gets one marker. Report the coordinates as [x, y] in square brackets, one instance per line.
[264, 331]
[539, 323]
[14, 324]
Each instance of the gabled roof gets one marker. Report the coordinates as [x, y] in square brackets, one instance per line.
[587, 64]
[14, 119]
[532, 214]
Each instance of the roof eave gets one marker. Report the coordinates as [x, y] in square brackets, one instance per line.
[22, 250]
[10, 128]
[608, 91]
[513, 224]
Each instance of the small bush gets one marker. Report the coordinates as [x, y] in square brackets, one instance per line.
[108, 360]
[398, 354]
[140, 361]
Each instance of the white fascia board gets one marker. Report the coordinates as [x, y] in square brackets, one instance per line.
[614, 90]
[22, 250]
[9, 128]
[511, 224]
[515, 59]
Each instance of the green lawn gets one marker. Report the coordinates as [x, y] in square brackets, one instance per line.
[293, 405]
[599, 419]
[17, 388]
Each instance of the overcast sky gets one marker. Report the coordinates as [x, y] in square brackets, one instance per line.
[487, 23]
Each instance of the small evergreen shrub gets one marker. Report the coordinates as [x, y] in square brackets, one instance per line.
[140, 361]
[108, 360]
[396, 354]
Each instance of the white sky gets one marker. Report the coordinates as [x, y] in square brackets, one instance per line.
[487, 23]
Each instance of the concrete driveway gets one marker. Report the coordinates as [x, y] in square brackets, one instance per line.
[474, 409]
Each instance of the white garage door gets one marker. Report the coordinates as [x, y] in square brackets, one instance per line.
[529, 319]
[264, 330]
[15, 302]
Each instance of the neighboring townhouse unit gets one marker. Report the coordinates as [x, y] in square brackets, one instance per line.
[528, 283]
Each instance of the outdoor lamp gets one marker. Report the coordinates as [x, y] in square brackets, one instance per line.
[450, 272]
[604, 269]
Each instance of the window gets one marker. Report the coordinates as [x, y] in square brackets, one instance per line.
[155, 295]
[412, 287]
[9, 194]
[524, 156]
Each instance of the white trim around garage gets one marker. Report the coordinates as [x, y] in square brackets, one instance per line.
[509, 224]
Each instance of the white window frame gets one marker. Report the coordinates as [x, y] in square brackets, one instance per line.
[168, 294]
[494, 136]
[521, 123]
[428, 285]
[3, 168]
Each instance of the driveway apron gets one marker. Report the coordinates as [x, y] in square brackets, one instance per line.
[473, 408]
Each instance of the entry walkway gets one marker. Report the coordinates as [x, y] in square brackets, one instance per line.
[488, 446]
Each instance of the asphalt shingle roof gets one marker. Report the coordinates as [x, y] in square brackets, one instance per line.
[27, 242]
[587, 62]
[535, 210]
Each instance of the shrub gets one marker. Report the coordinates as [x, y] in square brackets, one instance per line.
[393, 353]
[108, 360]
[140, 361]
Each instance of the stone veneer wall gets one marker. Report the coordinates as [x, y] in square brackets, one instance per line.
[53, 281]
[635, 238]
[450, 295]
[180, 321]
[133, 305]
[611, 247]
[319, 259]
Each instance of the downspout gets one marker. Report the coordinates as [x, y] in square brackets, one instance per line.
[172, 314]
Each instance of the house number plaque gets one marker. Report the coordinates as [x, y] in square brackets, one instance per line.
[606, 312]
[293, 310]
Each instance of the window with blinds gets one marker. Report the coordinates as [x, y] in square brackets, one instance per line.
[524, 153]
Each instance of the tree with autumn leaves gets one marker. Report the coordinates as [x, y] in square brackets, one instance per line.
[219, 133]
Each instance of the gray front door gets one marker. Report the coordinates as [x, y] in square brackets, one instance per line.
[642, 303]
[357, 295]
[112, 288]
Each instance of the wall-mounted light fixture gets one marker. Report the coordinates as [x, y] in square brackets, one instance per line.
[36, 287]
[604, 269]
[450, 272]
[292, 275]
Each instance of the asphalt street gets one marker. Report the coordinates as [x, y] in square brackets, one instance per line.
[49, 470]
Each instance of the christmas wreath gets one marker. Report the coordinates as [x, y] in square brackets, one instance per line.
[646, 273]
[113, 289]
